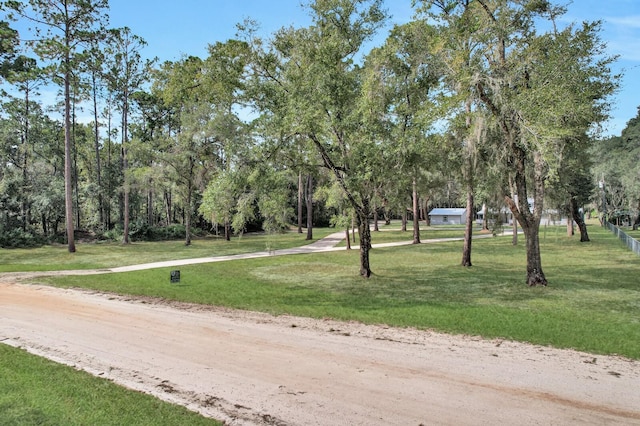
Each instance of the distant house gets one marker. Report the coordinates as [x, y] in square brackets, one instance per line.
[440, 216]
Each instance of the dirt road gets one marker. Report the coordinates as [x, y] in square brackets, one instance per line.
[249, 368]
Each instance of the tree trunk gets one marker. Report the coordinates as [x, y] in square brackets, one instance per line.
[424, 212]
[468, 172]
[25, 164]
[376, 226]
[187, 215]
[76, 177]
[187, 225]
[570, 229]
[150, 215]
[167, 205]
[125, 166]
[404, 220]
[300, 204]
[96, 147]
[68, 190]
[529, 220]
[227, 230]
[125, 209]
[514, 220]
[535, 276]
[125, 212]
[416, 214]
[309, 207]
[468, 232]
[107, 202]
[577, 217]
[365, 241]
[347, 239]
[361, 208]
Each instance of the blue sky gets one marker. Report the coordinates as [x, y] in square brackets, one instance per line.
[176, 28]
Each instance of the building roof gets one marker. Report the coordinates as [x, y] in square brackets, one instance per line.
[447, 212]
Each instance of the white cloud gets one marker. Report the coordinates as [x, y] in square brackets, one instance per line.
[630, 21]
[625, 48]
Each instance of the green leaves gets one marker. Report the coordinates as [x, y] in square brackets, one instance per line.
[219, 201]
[8, 44]
[618, 167]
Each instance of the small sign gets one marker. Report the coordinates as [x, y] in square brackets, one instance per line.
[175, 276]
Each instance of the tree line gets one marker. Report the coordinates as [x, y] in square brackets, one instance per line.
[474, 102]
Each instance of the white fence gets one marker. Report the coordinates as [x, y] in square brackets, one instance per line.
[632, 243]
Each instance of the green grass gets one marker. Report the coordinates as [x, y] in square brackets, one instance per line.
[105, 255]
[630, 232]
[36, 391]
[592, 303]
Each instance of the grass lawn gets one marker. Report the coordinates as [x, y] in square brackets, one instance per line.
[592, 302]
[630, 232]
[36, 391]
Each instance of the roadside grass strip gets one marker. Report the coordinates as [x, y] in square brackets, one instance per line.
[36, 391]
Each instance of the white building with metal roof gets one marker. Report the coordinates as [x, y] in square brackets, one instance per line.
[448, 216]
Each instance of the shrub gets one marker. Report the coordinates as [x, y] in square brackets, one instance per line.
[19, 238]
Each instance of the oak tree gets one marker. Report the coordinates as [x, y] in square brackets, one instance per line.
[313, 83]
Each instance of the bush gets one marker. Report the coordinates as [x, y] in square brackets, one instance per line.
[19, 238]
[173, 231]
[140, 231]
[144, 232]
[114, 234]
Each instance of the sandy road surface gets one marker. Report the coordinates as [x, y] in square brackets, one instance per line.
[249, 368]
